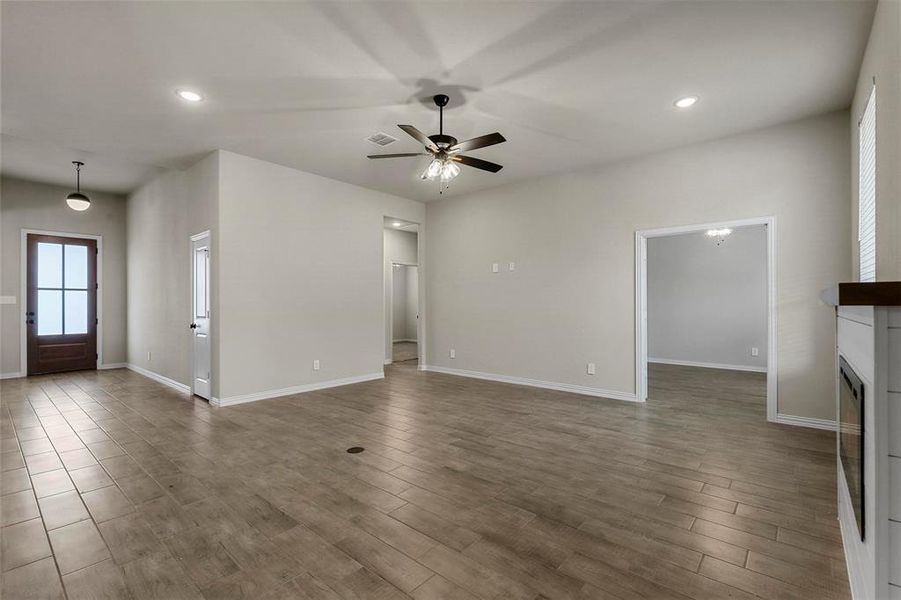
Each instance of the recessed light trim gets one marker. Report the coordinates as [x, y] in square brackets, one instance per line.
[397, 224]
[189, 95]
[686, 102]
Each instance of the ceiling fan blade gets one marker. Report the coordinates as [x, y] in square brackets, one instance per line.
[423, 139]
[398, 155]
[479, 142]
[478, 163]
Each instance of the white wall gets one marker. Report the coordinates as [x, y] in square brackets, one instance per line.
[31, 205]
[399, 303]
[301, 277]
[571, 298]
[162, 215]
[400, 247]
[411, 319]
[707, 303]
[882, 61]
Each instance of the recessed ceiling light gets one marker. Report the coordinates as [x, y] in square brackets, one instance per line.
[719, 232]
[189, 95]
[686, 102]
[397, 223]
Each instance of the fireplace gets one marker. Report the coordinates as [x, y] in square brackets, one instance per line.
[851, 438]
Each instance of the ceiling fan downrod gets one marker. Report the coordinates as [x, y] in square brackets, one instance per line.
[441, 101]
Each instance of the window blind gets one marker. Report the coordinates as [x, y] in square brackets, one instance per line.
[866, 191]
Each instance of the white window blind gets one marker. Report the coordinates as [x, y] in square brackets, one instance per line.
[866, 191]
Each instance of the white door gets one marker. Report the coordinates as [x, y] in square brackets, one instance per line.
[200, 319]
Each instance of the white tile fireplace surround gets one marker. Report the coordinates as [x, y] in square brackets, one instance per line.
[868, 335]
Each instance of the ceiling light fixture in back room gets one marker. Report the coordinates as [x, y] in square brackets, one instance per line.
[445, 150]
[76, 200]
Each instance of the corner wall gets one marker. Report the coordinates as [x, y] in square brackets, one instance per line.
[570, 299]
[162, 215]
[301, 278]
[32, 205]
[882, 62]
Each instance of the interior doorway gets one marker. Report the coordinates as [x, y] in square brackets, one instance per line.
[61, 318]
[706, 315]
[201, 359]
[404, 312]
[403, 322]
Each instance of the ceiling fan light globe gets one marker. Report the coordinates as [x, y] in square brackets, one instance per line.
[449, 171]
[78, 201]
[434, 169]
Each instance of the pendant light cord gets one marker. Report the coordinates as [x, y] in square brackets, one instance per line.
[78, 165]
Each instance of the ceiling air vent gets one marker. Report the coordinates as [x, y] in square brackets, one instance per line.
[381, 139]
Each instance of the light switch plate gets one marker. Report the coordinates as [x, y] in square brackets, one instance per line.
[512, 266]
[453, 353]
[591, 369]
[316, 365]
[755, 352]
[495, 267]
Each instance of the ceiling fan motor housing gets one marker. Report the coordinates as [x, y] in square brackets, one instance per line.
[443, 141]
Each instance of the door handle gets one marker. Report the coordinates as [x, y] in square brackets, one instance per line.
[30, 321]
[193, 325]
[29, 314]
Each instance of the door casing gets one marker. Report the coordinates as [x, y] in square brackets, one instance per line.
[641, 300]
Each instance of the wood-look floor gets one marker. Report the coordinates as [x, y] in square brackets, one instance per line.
[404, 351]
[114, 486]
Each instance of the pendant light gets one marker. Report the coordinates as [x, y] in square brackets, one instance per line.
[76, 200]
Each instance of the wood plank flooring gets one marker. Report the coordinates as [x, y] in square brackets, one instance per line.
[114, 486]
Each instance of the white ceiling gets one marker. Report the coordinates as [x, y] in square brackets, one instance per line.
[569, 84]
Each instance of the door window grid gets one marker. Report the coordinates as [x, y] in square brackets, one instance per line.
[54, 317]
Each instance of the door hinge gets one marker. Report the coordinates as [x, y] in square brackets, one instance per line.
[96, 321]
[96, 286]
[96, 356]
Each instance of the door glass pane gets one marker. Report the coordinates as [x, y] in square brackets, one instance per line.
[76, 267]
[50, 265]
[76, 311]
[200, 279]
[50, 312]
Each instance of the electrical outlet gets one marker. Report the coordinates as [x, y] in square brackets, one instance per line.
[453, 353]
[590, 369]
[755, 352]
[512, 266]
[495, 267]
[149, 356]
[316, 365]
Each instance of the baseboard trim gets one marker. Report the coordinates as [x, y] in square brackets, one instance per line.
[404, 340]
[159, 378]
[15, 375]
[548, 385]
[388, 361]
[706, 365]
[297, 389]
[827, 424]
[106, 366]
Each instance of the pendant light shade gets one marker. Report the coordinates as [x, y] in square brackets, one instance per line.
[76, 200]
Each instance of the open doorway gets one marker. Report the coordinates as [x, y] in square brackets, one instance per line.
[706, 315]
[402, 293]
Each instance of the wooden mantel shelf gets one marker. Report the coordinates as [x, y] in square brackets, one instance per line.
[877, 293]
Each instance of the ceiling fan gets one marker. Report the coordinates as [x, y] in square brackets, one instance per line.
[445, 150]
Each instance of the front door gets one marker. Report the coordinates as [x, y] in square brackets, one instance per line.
[61, 313]
[200, 320]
